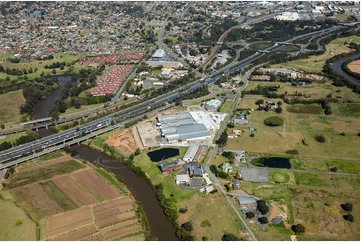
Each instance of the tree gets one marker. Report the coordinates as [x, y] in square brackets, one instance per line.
[278, 109]
[250, 214]
[263, 220]
[2, 126]
[260, 101]
[298, 228]
[347, 207]
[262, 207]
[230, 237]
[222, 141]
[348, 217]
[204, 238]
[279, 103]
[187, 226]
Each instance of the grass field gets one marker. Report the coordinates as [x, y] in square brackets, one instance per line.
[10, 215]
[210, 216]
[21, 179]
[58, 196]
[316, 63]
[12, 137]
[226, 106]
[307, 109]
[59, 57]
[314, 202]
[10, 106]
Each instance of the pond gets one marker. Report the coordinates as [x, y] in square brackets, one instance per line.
[163, 154]
[273, 162]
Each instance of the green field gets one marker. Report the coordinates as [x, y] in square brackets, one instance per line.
[346, 109]
[40, 64]
[316, 63]
[10, 106]
[107, 176]
[40, 174]
[10, 215]
[211, 216]
[307, 109]
[57, 195]
[226, 107]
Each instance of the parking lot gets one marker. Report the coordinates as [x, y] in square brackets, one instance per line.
[256, 174]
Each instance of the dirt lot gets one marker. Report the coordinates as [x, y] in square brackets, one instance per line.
[114, 211]
[73, 191]
[148, 133]
[64, 222]
[123, 141]
[354, 66]
[94, 183]
[121, 230]
[81, 234]
[34, 198]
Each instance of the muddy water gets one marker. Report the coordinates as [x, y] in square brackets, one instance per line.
[42, 110]
[160, 225]
[337, 66]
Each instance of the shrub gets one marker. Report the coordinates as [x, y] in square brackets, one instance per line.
[348, 217]
[263, 220]
[187, 226]
[250, 215]
[230, 237]
[320, 138]
[183, 210]
[273, 121]
[347, 207]
[298, 228]
[292, 152]
[204, 238]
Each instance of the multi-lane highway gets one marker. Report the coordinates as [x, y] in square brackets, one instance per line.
[142, 108]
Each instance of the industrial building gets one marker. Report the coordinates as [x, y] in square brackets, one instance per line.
[191, 152]
[165, 64]
[186, 127]
[213, 104]
[158, 54]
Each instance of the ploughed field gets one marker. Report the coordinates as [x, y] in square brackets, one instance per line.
[79, 205]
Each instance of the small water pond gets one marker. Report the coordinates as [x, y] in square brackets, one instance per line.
[163, 154]
[273, 162]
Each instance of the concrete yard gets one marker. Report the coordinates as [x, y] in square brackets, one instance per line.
[256, 174]
[149, 134]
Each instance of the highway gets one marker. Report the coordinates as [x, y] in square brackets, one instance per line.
[142, 108]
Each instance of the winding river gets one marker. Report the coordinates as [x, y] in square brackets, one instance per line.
[161, 227]
[337, 66]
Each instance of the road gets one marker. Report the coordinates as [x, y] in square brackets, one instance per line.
[142, 108]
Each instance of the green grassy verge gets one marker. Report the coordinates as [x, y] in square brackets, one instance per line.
[107, 176]
[21, 179]
[226, 107]
[10, 107]
[57, 195]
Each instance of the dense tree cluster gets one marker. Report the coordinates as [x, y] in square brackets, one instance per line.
[262, 207]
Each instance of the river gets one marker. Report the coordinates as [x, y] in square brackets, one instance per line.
[161, 227]
[337, 66]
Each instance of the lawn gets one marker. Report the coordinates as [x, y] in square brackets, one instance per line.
[316, 63]
[10, 215]
[210, 216]
[279, 176]
[346, 109]
[12, 137]
[10, 106]
[226, 107]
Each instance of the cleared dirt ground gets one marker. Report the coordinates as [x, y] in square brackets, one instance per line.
[100, 188]
[77, 194]
[354, 66]
[123, 141]
[83, 233]
[64, 222]
[121, 230]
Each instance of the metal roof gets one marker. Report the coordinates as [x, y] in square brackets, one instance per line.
[246, 200]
